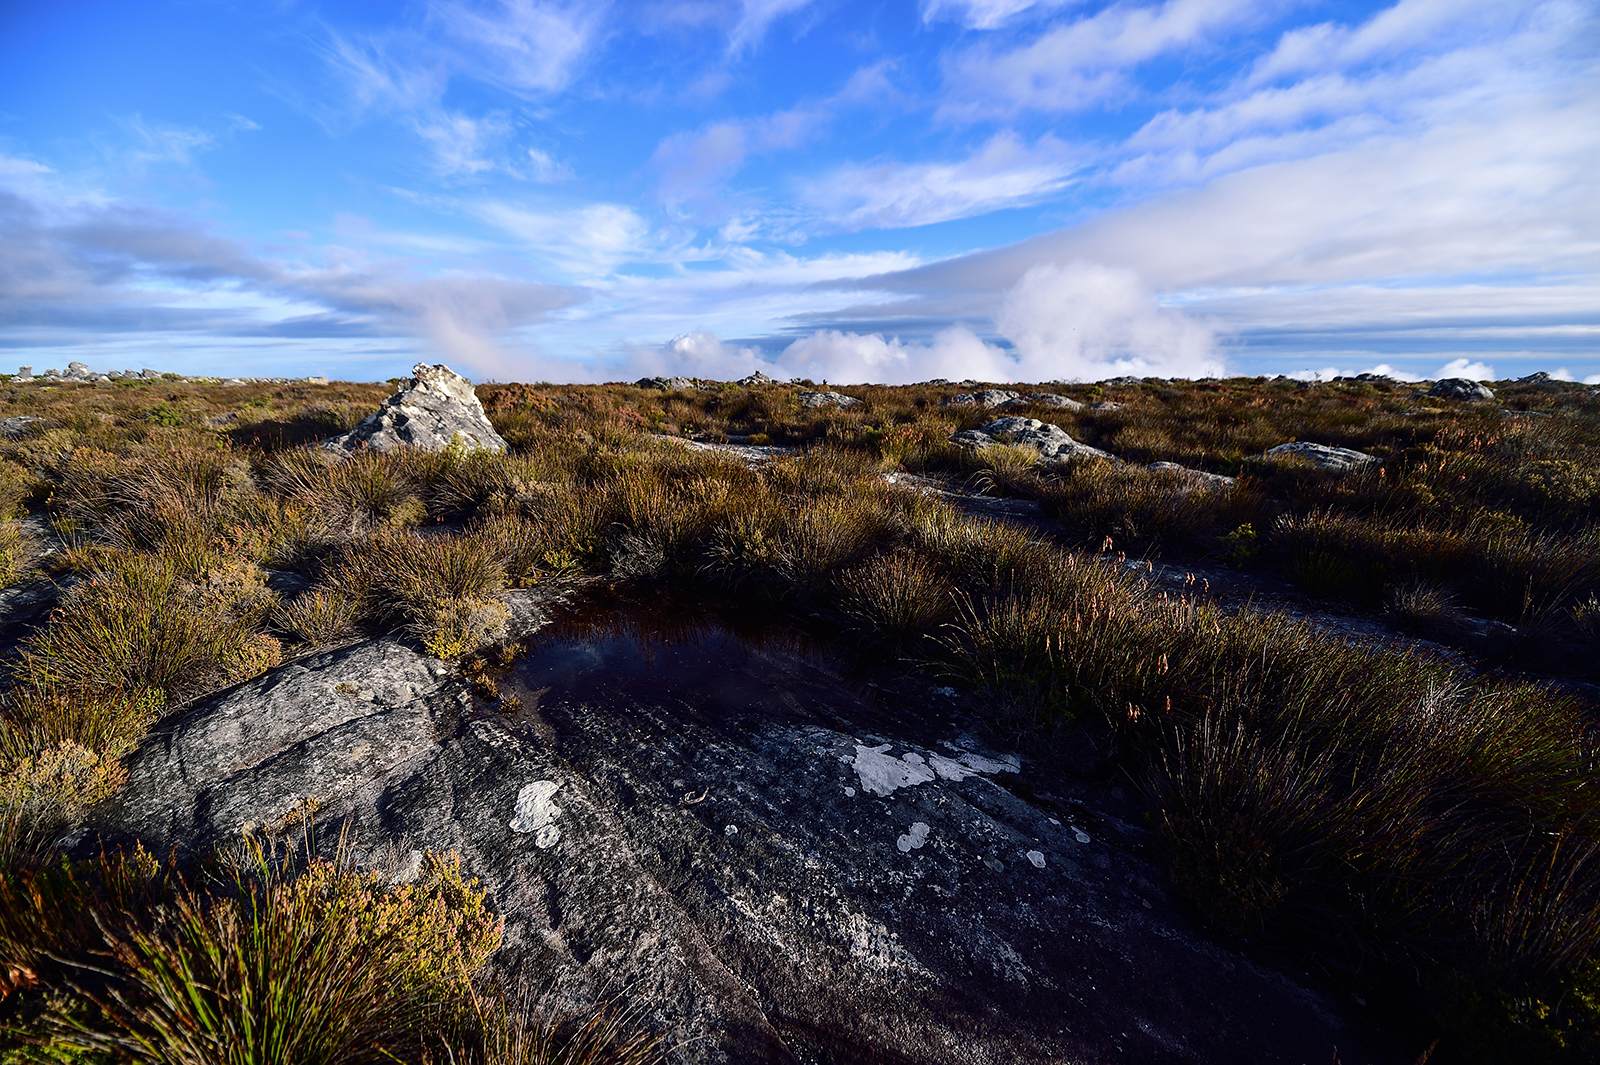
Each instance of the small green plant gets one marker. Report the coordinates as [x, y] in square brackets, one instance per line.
[1241, 546]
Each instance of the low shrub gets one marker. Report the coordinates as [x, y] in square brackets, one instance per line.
[140, 624]
[16, 548]
[290, 961]
[443, 590]
[895, 595]
[321, 616]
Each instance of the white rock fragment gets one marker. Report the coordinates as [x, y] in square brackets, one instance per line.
[914, 839]
[1037, 858]
[850, 793]
[537, 814]
[1079, 834]
[731, 830]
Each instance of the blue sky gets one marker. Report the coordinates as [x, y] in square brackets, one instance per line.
[840, 189]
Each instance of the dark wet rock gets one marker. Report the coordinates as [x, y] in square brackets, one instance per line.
[1461, 388]
[828, 399]
[431, 411]
[1197, 478]
[1323, 456]
[774, 868]
[1052, 442]
[988, 398]
[1042, 399]
[665, 384]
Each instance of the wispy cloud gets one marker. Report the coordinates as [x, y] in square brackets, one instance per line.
[756, 17]
[987, 14]
[1003, 172]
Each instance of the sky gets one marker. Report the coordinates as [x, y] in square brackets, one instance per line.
[843, 190]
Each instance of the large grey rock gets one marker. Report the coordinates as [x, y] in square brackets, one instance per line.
[1462, 388]
[828, 399]
[665, 384]
[1323, 456]
[1052, 442]
[756, 379]
[431, 410]
[1042, 399]
[25, 373]
[17, 427]
[780, 877]
[989, 398]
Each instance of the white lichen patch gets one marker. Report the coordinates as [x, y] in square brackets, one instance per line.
[1037, 858]
[537, 814]
[882, 774]
[1079, 834]
[914, 839]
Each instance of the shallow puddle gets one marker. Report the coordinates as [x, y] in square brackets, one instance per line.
[709, 662]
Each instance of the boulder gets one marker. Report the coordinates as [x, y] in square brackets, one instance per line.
[1042, 399]
[756, 380]
[430, 411]
[775, 876]
[1461, 388]
[316, 379]
[828, 399]
[665, 384]
[1126, 381]
[17, 427]
[1195, 478]
[1051, 441]
[1323, 456]
[78, 371]
[25, 373]
[989, 398]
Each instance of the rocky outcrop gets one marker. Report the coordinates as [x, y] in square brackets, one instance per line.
[1323, 456]
[431, 411]
[1042, 399]
[1462, 388]
[828, 399]
[989, 398]
[786, 876]
[1051, 441]
[19, 426]
[665, 384]
[756, 380]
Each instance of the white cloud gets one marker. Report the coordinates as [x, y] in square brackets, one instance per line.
[985, 14]
[1076, 64]
[591, 240]
[1462, 367]
[528, 45]
[1592, 379]
[1004, 172]
[755, 17]
[1084, 321]
[461, 144]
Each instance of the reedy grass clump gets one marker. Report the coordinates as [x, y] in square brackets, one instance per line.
[286, 958]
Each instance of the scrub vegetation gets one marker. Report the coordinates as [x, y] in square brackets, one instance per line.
[1415, 822]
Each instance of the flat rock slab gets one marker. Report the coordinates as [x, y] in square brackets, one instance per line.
[1052, 442]
[1323, 456]
[828, 399]
[780, 871]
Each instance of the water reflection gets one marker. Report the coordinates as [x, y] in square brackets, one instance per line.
[701, 658]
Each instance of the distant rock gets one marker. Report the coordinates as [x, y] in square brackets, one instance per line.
[828, 399]
[1128, 381]
[316, 380]
[429, 412]
[1051, 441]
[666, 384]
[937, 382]
[989, 398]
[25, 373]
[1106, 404]
[1462, 388]
[1197, 478]
[1421, 412]
[1323, 456]
[1042, 399]
[756, 379]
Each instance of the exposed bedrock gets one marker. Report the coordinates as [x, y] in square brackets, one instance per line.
[805, 880]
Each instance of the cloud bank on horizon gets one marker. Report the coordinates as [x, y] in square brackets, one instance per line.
[1005, 190]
